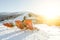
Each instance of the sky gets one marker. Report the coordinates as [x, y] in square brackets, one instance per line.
[38, 6]
[16, 5]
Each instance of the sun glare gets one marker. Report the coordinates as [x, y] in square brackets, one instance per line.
[50, 16]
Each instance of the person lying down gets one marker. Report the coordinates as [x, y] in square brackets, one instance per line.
[23, 25]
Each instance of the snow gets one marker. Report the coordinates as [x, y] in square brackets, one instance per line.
[17, 34]
[45, 33]
[53, 32]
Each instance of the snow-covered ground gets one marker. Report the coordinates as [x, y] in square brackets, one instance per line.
[45, 33]
[53, 32]
[16, 34]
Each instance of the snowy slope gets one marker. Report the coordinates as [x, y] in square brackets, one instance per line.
[53, 32]
[45, 33]
[16, 34]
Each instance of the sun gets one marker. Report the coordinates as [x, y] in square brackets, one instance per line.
[50, 16]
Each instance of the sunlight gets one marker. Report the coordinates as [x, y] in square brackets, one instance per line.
[50, 16]
[48, 9]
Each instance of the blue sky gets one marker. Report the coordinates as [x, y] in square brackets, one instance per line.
[14, 5]
[21, 5]
[18, 5]
[45, 7]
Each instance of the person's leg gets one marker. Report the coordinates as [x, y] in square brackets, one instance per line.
[19, 24]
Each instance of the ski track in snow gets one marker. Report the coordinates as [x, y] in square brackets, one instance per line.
[14, 34]
[46, 33]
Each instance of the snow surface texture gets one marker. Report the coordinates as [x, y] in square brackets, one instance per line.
[53, 32]
[45, 33]
[16, 34]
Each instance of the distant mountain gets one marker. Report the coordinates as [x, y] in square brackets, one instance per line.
[21, 16]
[9, 15]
